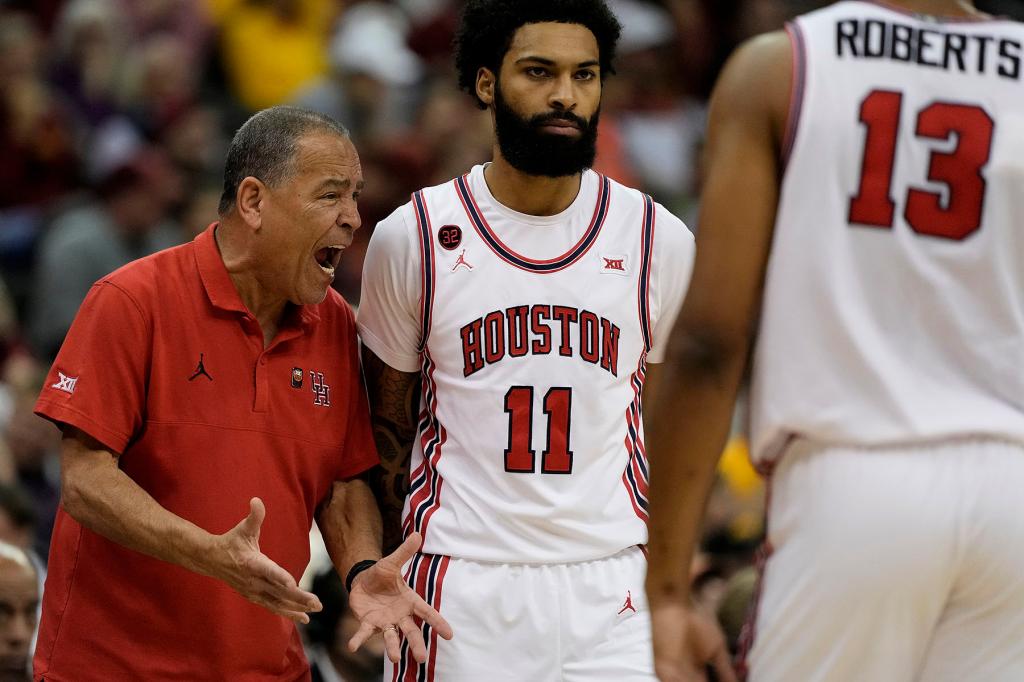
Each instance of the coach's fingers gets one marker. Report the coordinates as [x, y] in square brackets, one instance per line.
[415, 638]
[405, 551]
[362, 634]
[291, 598]
[294, 615]
[435, 619]
[285, 602]
[393, 644]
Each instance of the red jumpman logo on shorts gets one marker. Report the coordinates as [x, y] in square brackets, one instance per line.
[628, 604]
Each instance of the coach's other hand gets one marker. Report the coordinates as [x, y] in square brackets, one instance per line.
[239, 562]
[382, 600]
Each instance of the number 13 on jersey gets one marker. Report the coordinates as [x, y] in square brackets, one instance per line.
[955, 216]
[520, 457]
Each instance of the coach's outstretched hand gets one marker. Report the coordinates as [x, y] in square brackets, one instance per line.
[240, 563]
[686, 643]
[382, 600]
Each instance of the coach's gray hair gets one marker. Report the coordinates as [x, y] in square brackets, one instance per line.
[264, 147]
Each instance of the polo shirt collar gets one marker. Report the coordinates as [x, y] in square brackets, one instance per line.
[221, 290]
[216, 280]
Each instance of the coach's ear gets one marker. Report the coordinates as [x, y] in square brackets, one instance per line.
[249, 201]
[485, 85]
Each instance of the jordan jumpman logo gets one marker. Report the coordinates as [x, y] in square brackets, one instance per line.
[200, 370]
[628, 604]
[462, 261]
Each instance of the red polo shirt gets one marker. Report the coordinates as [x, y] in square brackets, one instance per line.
[165, 365]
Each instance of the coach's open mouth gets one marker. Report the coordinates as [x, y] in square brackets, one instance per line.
[328, 258]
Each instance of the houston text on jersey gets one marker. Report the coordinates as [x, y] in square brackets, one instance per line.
[524, 329]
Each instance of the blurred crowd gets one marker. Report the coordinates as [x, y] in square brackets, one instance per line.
[114, 115]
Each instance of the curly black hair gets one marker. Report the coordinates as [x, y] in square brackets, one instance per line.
[487, 27]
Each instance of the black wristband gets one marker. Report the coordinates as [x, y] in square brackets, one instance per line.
[358, 568]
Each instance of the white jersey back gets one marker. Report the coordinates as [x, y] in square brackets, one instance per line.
[530, 443]
[894, 300]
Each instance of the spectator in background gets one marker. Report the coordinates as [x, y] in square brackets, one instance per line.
[373, 74]
[328, 633]
[187, 20]
[297, 30]
[28, 448]
[127, 221]
[660, 124]
[39, 161]
[17, 517]
[87, 43]
[160, 84]
[196, 212]
[19, 605]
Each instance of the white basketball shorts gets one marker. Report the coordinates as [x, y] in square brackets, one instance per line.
[893, 565]
[533, 622]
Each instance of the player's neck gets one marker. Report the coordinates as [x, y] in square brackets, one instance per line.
[529, 194]
[939, 8]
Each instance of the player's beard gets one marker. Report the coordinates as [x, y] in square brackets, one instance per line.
[538, 153]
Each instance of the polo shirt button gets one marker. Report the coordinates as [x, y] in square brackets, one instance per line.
[263, 361]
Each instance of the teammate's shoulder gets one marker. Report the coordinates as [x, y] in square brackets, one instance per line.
[447, 186]
[760, 57]
[670, 231]
[620, 191]
[401, 221]
[662, 215]
[755, 84]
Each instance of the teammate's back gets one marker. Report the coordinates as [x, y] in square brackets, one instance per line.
[894, 298]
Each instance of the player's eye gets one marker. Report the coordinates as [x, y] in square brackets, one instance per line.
[536, 71]
[585, 75]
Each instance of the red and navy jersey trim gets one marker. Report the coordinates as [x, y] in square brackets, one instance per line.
[425, 486]
[426, 577]
[476, 217]
[796, 92]
[636, 477]
[646, 251]
[426, 265]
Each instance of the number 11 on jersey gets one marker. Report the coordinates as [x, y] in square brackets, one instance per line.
[520, 457]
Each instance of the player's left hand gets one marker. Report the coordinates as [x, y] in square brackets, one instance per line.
[686, 643]
[382, 600]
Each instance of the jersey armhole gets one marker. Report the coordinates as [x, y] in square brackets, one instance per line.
[798, 85]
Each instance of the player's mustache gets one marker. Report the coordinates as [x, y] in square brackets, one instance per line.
[561, 117]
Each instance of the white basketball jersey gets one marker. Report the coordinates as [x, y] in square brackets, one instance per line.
[530, 444]
[894, 300]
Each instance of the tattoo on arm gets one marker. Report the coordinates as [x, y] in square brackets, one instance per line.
[394, 403]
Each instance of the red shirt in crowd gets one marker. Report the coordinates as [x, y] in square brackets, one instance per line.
[165, 365]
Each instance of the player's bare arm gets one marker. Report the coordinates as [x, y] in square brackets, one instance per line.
[690, 417]
[393, 397]
[101, 497]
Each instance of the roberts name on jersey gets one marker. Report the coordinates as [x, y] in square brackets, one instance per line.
[930, 46]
